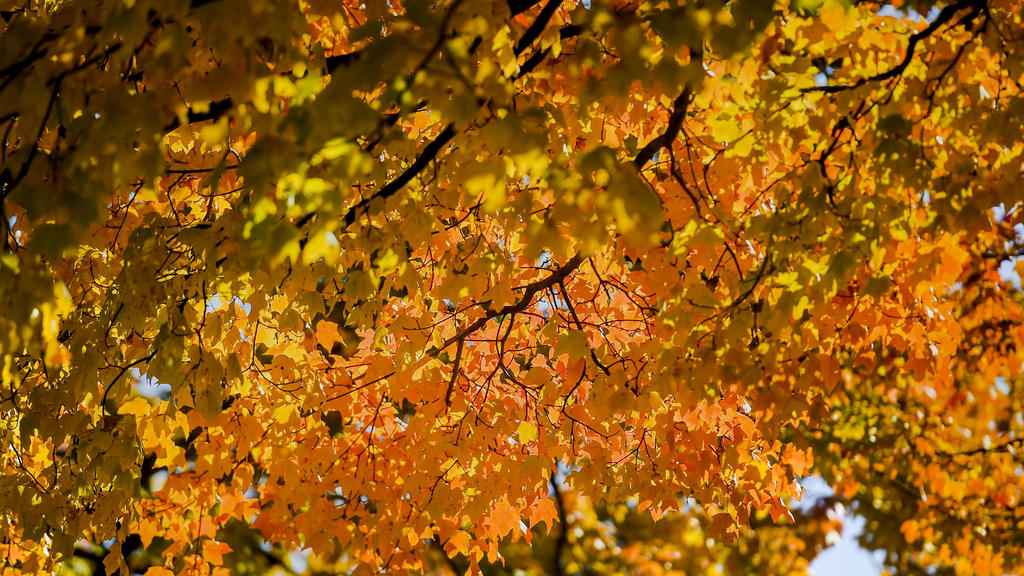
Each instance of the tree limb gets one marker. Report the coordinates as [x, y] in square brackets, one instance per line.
[675, 123]
[945, 15]
[529, 291]
[538, 26]
[557, 567]
[429, 153]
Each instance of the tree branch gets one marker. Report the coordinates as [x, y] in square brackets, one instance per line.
[529, 291]
[392, 187]
[123, 370]
[945, 15]
[519, 6]
[557, 568]
[538, 26]
[675, 123]
[558, 277]
[216, 110]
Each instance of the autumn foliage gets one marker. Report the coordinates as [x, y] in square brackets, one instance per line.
[511, 286]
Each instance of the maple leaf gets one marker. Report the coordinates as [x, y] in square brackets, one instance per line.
[502, 519]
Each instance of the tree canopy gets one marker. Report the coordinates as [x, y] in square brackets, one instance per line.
[512, 286]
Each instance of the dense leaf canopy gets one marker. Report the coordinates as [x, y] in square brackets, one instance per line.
[509, 285]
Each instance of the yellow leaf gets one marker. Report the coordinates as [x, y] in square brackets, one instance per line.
[138, 407]
[216, 133]
[527, 432]
[114, 559]
[833, 16]
[284, 413]
[458, 542]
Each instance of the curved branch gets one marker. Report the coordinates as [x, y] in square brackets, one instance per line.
[391, 188]
[529, 291]
[675, 124]
[945, 15]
